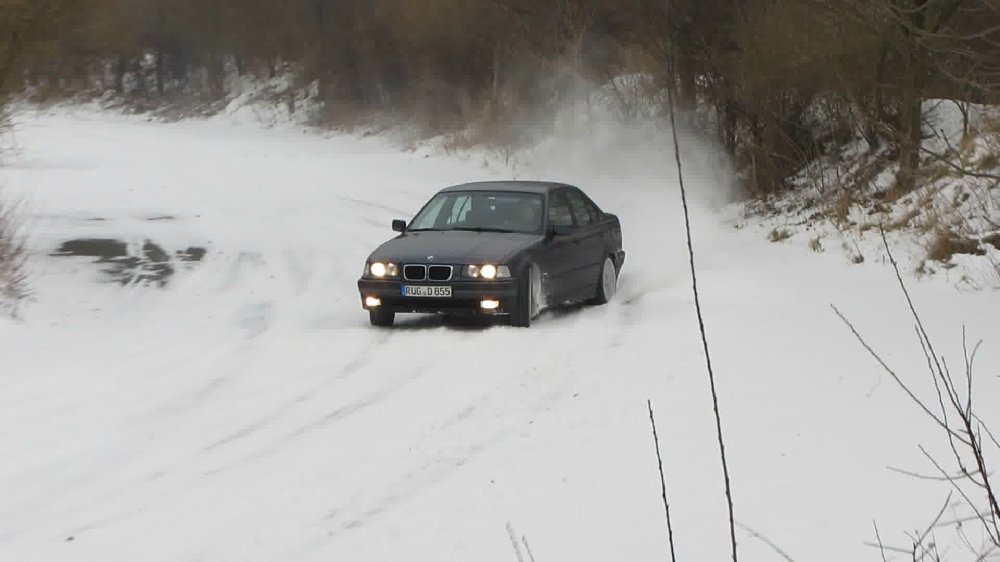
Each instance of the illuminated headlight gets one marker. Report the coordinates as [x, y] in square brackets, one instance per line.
[487, 271]
[380, 270]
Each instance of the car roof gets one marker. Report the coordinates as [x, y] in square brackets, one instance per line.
[542, 187]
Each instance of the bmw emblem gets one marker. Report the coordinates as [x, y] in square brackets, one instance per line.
[430, 258]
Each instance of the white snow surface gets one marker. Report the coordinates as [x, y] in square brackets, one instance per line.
[247, 412]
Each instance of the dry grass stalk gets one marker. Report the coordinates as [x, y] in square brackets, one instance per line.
[13, 257]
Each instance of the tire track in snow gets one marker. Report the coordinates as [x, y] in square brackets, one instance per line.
[350, 368]
[338, 414]
[81, 486]
[128, 497]
[461, 440]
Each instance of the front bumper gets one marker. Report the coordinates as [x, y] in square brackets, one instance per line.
[465, 299]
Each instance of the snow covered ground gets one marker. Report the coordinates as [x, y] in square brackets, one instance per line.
[248, 412]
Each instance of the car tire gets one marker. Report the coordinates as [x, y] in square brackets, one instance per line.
[607, 283]
[381, 317]
[528, 298]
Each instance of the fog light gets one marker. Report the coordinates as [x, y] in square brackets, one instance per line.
[488, 304]
[372, 302]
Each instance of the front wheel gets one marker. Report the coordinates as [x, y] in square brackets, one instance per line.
[381, 317]
[607, 286]
[529, 299]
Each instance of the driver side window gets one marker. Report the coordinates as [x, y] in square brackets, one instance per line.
[559, 212]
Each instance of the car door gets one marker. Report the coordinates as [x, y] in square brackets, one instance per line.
[608, 226]
[588, 246]
[556, 255]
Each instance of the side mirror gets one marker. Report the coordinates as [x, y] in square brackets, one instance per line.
[559, 230]
[399, 225]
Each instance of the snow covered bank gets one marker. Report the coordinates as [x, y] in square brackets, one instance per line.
[949, 227]
[248, 412]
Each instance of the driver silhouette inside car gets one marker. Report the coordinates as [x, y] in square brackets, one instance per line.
[526, 216]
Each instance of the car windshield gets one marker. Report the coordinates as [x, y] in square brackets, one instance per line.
[481, 211]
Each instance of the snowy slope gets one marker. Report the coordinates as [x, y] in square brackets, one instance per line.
[248, 412]
[946, 227]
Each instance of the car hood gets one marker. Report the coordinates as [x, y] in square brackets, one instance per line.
[454, 247]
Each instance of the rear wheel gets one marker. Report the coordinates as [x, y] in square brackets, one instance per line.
[381, 317]
[607, 285]
[528, 299]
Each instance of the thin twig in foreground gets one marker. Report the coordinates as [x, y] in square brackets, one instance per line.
[663, 483]
[886, 548]
[895, 377]
[932, 355]
[930, 528]
[767, 541]
[527, 547]
[701, 321]
[878, 537]
[919, 476]
[513, 542]
[968, 500]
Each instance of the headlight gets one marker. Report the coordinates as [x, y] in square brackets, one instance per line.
[487, 272]
[380, 270]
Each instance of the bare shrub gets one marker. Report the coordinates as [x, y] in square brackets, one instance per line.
[947, 243]
[13, 256]
[779, 235]
[953, 409]
[816, 245]
[988, 162]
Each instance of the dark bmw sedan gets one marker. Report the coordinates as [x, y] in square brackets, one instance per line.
[506, 249]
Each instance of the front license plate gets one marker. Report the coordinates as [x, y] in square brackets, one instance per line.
[426, 291]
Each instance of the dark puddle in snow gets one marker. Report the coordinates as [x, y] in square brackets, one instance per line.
[148, 264]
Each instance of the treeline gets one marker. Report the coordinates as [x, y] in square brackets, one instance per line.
[776, 81]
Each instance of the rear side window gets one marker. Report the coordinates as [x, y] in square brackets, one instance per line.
[579, 206]
[559, 211]
[596, 213]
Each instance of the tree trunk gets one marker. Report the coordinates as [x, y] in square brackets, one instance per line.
[495, 87]
[323, 53]
[216, 77]
[160, 71]
[119, 75]
[728, 125]
[910, 125]
[686, 72]
[877, 114]
[688, 95]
